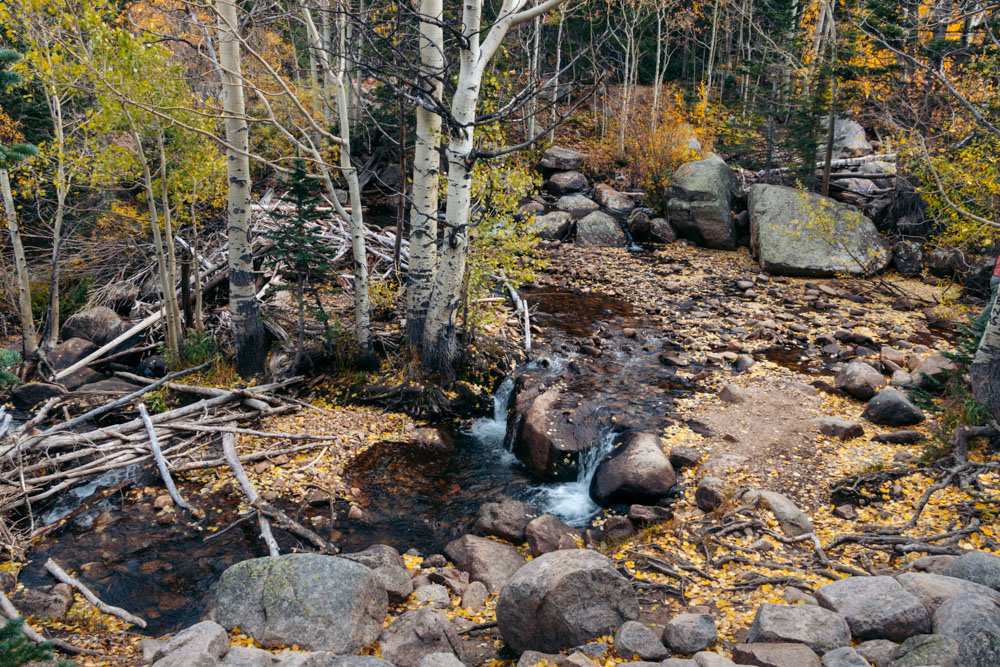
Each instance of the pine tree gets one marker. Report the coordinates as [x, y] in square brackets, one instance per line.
[306, 256]
[17, 650]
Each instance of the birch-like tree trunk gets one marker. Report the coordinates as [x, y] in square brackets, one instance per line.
[173, 309]
[248, 330]
[985, 368]
[30, 344]
[51, 338]
[426, 172]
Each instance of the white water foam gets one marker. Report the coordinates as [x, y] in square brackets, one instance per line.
[491, 430]
[571, 501]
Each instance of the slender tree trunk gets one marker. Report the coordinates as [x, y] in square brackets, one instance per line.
[554, 114]
[536, 48]
[170, 297]
[985, 368]
[248, 330]
[710, 65]
[426, 174]
[199, 324]
[51, 339]
[30, 344]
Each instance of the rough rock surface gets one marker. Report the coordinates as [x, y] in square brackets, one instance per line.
[615, 202]
[859, 380]
[318, 602]
[565, 182]
[980, 649]
[487, 561]
[99, 325]
[552, 226]
[547, 533]
[599, 230]
[547, 440]
[838, 427]
[637, 471]
[699, 200]
[804, 234]
[690, 633]
[925, 650]
[963, 615]
[875, 608]
[849, 138]
[637, 639]
[207, 637]
[775, 655]
[576, 205]
[892, 408]
[506, 519]
[562, 159]
[977, 566]
[793, 521]
[820, 629]
[564, 599]
[933, 590]
[845, 656]
[416, 634]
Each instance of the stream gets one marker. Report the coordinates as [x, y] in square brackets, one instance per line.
[164, 572]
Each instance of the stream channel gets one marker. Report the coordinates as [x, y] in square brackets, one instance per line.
[599, 350]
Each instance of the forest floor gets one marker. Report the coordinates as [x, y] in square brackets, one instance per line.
[767, 441]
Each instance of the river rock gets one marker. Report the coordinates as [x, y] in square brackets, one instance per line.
[70, 351]
[207, 637]
[901, 380]
[699, 200]
[599, 230]
[845, 656]
[637, 639]
[965, 614]
[775, 655]
[547, 533]
[506, 520]
[877, 651]
[565, 182]
[875, 608]
[804, 234]
[690, 633]
[933, 590]
[563, 599]
[932, 370]
[562, 159]
[547, 439]
[487, 561]
[637, 471]
[925, 650]
[980, 649]
[99, 325]
[662, 230]
[377, 555]
[576, 205]
[849, 139]
[793, 521]
[32, 393]
[907, 258]
[978, 566]
[640, 514]
[682, 456]
[710, 494]
[416, 634]
[892, 408]
[615, 202]
[639, 225]
[317, 602]
[838, 427]
[396, 581]
[552, 226]
[820, 629]
[859, 380]
[247, 656]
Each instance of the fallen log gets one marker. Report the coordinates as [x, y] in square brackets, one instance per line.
[53, 568]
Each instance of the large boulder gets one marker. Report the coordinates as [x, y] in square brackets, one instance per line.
[492, 563]
[637, 471]
[690, 633]
[32, 393]
[963, 615]
[70, 351]
[506, 519]
[99, 325]
[206, 636]
[549, 430]
[907, 258]
[562, 159]
[698, 203]
[933, 590]
[875, 608]
[860, 380]
[932, 369]
[318, 602]
[978, 566]
[566, 182]
[416, 634]
[599, 230]
[804, 234]
[547, 533]
[635, 639]
[980, 649]
[892, 408]
[551, 226]
[849, 139]
[612, 200]
[925, 650]
[576, 205]
[820, 629]
[564, 599]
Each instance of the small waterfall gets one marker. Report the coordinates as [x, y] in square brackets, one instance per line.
[492, 430]
[571, 501]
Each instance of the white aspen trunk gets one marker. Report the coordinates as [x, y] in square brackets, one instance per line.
[21, 265]
[62, 188]
[710, 65]
[555, 77]
[199, 323]
[426, 173]
[248, 330]
[657, 76]
[170, 297]
[985, 369]
[536, 47]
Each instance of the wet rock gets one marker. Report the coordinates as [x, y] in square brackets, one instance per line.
[433, 595]
[690, 633]
[859, 380]
[820, 629]
[318, 602]
[241, 656]
[599, 230]
[925, 650]
[933, 590]
[31, 394]
[978, 566]
[845, 656]
[907, 258]
[793, 521]
[474, 597]
[487, 561]
[775, 655]
[892, 408]
[563, 599]
[877, 651]
[614, 201]
[838, 427]
[552, 226]
[416, 634]
[684, 457]
[875, 608]
[506, 520]
[699, 203]
[576, 205]
[965, 614]
[902, 437]
[639, 225]
[207, 637]
[786, 240]
[547, 533]
[397, 583]
[710, 494]
[980, 649]
[637, 471]
[45, 601]
[635, 639]
[99, 325]
[546, 439]
[562, 159]
[440, 660]
[566, 182]
[662, 230]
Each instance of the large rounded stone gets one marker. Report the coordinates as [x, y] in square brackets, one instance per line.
[416, 634]
[978, 566]
[487, 561]
[933, 590]
[859, 380]
[577, 205]
[599, 230]
[690, 633]
[506, 519]
[564, 599]
[820, 629]
[637, 471]
[637, 639]
[562, 159]
[875, 608]
[980, 649]
[318, 602]
[99, 325]
[551, 226]
[565, 182]
[925, 650]
[963, 615]
[892, 408]
[699, 203]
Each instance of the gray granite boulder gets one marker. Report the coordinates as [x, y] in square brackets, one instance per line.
[599, 230]
[551, 226]
[820, 629]
[637, 639]
[963, 615]
[690, 633]
[875, 608]
[699, 200]
[925, 650]
[492, 563]
[892, 408]
[562, 159]
[637, 471]
[933, 590]
[416, 634]
[978, 566]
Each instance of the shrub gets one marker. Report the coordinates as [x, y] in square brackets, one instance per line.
[8, 359]
[17, 650]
